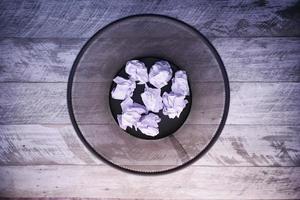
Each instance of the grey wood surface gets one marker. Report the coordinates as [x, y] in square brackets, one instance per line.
[191, 183]
[257, 155]
[238, 145]
[49, 60]
[213, 18]
[251, 103]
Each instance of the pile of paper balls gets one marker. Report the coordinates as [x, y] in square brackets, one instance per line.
[144, 117]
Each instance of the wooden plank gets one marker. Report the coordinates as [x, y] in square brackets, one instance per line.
[272, 103]
[251, 103]
[38, 60]
[36, 144]
[82, 19]
[190, 183]
[76, 198]
[260, 59]
[238, 145]
[27, 103]
[243, 145]
[50, 60]
[66, 198]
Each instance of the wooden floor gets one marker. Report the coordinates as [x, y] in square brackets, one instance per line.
[257, 155]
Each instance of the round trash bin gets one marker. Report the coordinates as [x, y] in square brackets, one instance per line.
[140, 36]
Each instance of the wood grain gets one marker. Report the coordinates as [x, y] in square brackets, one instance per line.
[36, 144]
[194, 182]
[76, 198]
[251, 103]
[257, 154]
[50, 60]
[238, 145]
[82, 19]
[37, 60]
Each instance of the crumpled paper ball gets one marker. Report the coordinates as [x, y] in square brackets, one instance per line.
[152, 99]
[137, 71]
[180, 83]
[124, 88]
[173, 104]
[160, 74]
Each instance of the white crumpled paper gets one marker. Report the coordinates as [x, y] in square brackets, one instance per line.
[137, 115]
[124, 88]
[180, 83]
[148, 124]
[152, 99]
[160, 74]
[134, 115]
[137, 71]
[173, 104]
[131, 113]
